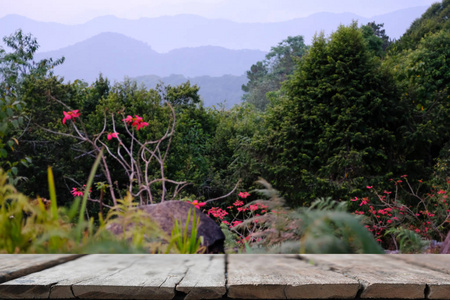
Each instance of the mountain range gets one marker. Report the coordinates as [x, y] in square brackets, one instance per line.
[225, 89]
[205, 51]
[117, 56]
[171, 32]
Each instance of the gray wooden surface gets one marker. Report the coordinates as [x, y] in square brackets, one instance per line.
[284, 277]
[438, 262]
[121, 276]
[382, 276]
[16, 265]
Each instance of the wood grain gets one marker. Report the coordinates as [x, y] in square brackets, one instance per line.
[123, 277]
[284, 277]
[385, 277]
[437, 262]
[16, 265]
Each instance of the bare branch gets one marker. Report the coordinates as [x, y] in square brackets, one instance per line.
[221, 197]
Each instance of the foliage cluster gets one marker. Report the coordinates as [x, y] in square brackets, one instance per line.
[352, 110]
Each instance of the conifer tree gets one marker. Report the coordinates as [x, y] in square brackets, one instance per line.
[337, 125]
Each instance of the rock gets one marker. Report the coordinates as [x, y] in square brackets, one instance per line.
[165, 213]
[446, 245]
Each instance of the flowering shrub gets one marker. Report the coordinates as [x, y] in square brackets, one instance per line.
[385, 212]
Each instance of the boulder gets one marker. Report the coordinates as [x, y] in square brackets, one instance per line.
[166, 212]
[446, 245]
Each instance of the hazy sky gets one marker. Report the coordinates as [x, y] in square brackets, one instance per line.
[79, 11]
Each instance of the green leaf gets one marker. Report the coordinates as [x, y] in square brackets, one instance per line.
[52, 191]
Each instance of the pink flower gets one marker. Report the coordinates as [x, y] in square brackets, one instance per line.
[75, 192]
[238, 203]
[70, 115]
[364, 201]
[356, 199]
[244, 195]
[235, 223]
[217, 212]
[197, 204]
[137, 121]
[369, 187]
[253, 207]
[141, 125]
[386, 192]
[112, 135]
[128, 119]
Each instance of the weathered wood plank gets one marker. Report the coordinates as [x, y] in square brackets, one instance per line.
[284, 277]
[120, 277]
[15, 265]
[205, 278]
[384, 277]
[437, 262]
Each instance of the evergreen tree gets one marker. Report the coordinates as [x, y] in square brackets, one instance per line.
[267, 75]
[335, 128]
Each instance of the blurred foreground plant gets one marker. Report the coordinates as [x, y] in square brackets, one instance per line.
[324, 227]
[35, 227]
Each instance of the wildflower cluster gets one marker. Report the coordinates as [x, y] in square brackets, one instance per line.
[245, 215]
[136, 122]
[428, 218]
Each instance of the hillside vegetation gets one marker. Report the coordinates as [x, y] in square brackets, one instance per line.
[356, 118]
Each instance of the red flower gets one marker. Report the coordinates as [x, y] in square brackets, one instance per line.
[75, 192]
[238, 203]
[70, 115]
[244, 195]
[235, 223]
[253, 207]
[112, 135]
[364, 201]
[137, 122]
[217, 212]
[197, 204]
[128, 119]
[141, 125]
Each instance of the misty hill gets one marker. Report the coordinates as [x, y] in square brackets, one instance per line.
[117, 56]
[167, 33]
[213, 90]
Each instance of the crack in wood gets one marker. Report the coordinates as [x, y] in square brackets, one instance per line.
[50, 287]
[426, 291]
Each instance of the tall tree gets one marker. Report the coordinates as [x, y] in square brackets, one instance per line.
[336, 127]
[16, 68]
[267, 75]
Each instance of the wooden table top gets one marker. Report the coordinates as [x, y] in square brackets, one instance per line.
[233, 276]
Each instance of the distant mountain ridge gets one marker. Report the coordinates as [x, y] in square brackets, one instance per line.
[213, 90]
[118, 56]
[167, 33]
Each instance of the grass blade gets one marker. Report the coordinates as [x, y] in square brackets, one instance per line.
[52, 191]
